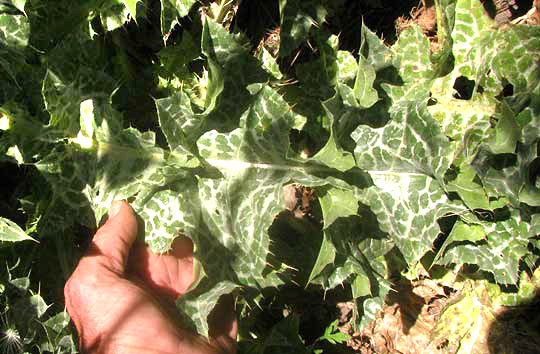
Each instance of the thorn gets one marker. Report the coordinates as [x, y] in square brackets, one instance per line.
[314, 23]
[296, 56]
[310, 45]
[258, 305]
[289, 267]
[287, 82]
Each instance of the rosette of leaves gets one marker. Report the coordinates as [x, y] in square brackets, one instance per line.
[403, 144]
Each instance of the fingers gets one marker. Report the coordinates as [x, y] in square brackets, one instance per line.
[223, 325]
[100, 280]
[112, 242]
[170, 274]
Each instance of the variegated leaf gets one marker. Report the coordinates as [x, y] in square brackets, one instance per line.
[196, 309]
[228, 96]
[355, 247]
[514, 180]
[505, 246]
[269, 63]
[296, 20]
[407, 197]
[240, 207]
[14, 30]
[181, 126]
[411, 143]
[411, 54]
[11, 232]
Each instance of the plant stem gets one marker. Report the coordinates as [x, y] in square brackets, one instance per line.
[442, 24]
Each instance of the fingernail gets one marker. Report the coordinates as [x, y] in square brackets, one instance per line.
[115, 208]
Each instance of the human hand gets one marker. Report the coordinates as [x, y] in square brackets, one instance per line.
[128, 307]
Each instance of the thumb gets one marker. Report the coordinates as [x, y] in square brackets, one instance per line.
[112, 242]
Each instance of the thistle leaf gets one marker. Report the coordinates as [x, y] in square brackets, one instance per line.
[11, 232]
[296, 20]
[407, 197]
[14, 30]
[506, 245]
[182, 6]
[171, 11]
[196, 310]
[514, 180]
[336, 203]
[131, 5]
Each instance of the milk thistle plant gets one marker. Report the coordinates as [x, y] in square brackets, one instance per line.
[416, 158]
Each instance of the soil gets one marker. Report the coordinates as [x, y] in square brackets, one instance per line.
[410, 324]
[405, 325]
[425, 17]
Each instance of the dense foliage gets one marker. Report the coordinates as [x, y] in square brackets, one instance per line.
[416, 156]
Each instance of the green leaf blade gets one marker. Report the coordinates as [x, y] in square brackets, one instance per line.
[11, 232]
[131, 5]
[14, 30]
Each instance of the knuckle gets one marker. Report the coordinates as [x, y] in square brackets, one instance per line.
[81, 282]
